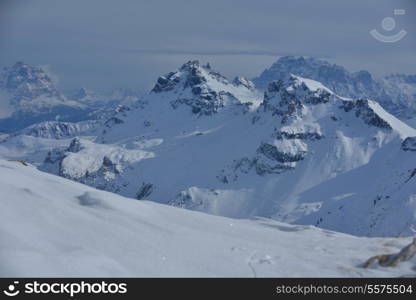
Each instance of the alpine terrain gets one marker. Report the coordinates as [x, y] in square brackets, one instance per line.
[234, 162]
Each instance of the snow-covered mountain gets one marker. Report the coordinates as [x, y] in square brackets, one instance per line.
[378, 198]
[34, 98]
[396, 93]
[57, 130]
[202, 142]
[34, 142]
[53, 227]
[29, 86]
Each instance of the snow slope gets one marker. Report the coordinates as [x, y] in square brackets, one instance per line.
[201, 142]
[378, 198]
[50, 226]
[214, 154]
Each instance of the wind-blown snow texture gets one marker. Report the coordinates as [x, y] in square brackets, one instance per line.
[50, 226]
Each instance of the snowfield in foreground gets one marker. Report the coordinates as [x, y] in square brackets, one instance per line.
[50, 226]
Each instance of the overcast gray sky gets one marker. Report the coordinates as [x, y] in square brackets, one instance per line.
[103, 44]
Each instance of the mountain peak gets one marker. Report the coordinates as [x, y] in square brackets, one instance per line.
[19, 64]
[395, 92]
[288, 96]
[190, 74]
[202, 88]
[191, 64]
[307, 67]
[26, 82]
[300, 60]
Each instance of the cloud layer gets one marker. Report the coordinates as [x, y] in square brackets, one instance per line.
[104, 44]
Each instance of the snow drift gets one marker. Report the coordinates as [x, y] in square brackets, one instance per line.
[51, 226]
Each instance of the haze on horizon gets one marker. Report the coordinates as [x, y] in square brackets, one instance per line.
[102, 44]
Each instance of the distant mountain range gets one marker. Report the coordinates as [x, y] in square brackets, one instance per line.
[396, 93]
[34, 98]
[296, 150]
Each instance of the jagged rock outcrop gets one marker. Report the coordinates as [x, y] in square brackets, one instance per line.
[272, 152]
[409, 144]
[392, 260]
[362, 109]
[25, 82]
[102, 166]
[287, 98]
[144, 191]
[396, 93]
[203, 89]
[242, 81]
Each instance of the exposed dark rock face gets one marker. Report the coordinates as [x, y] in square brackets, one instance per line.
[75, 146]
[242, 81]
[166, 83]
[110, 166]
[273, 153]
[144, 191]
[409, 144]
[396, 92]
[169, 81]
[362, 110]
[206, 102]
[285, 148]
[311, 136]
[263, 169]
[287, 98]
[113, 121]
[257, 164]
[190, 86]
